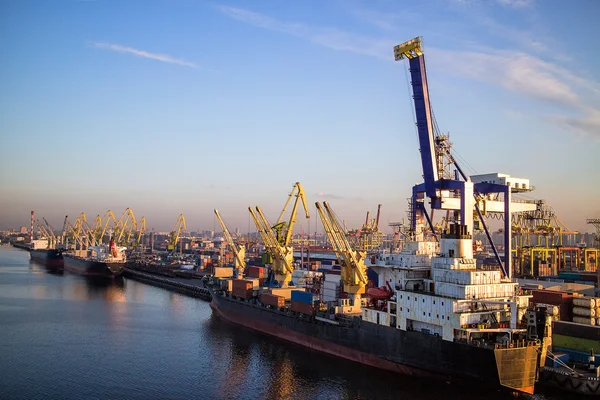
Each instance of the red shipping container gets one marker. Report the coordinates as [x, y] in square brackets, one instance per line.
[302, 307]
[261, 281]
[256, 272]
[562, 299]
[272, 300]
[241, 292]
[241, 284]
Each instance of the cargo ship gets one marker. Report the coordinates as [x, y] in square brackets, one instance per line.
[436, 315]
[43, 252]
[105, 261]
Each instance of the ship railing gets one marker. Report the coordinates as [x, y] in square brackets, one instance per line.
[517, 344]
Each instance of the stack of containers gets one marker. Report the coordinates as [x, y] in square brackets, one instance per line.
[331, 286]
[256, 272]
[302, 302]
[585, 310]
[242, 288]
[563, 300]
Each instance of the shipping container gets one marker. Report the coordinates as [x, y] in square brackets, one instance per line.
[241, 292]
[223, 272]
[576, 330]
[286, 293]
[242, 284]
[302, 297]
[302, 307]
[272, 300]
[575, 343]
[562, 299]
[255, 272]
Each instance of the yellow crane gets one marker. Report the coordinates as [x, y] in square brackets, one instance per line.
[239, 251]
[174, 236]
[353, 269]
[283, 256]
[141, 231]
[277, 237]
[79, 232]
[101, 225]
[282, 229]
[45, 232]
[125, 227]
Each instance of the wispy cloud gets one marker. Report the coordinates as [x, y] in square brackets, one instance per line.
[142, 53]
[329, 196]
[517, 3]
[515, 71]
[332, 38]
[531, 77]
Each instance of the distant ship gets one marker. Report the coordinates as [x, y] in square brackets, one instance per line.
[41, 252]
[104, 261]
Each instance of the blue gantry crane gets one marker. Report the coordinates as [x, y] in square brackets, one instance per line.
[454, 191]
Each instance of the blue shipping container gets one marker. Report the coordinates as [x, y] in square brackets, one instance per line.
[302, 297]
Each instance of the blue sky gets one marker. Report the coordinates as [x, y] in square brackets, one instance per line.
[183, 106]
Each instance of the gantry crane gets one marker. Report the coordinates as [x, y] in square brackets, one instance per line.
[239, 251]
[442, 186]
[176, 232]
[277, 237]
[353, 269]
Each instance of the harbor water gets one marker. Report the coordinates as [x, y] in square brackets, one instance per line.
[67, 337]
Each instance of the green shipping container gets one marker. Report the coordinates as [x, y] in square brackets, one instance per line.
[573, 343]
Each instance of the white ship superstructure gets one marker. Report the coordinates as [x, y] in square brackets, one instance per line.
[439, 290]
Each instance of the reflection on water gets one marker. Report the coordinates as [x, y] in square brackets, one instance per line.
[107, 289]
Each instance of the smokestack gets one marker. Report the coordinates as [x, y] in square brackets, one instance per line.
[31, 231]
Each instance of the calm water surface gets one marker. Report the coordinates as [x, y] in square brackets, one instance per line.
[66, 337]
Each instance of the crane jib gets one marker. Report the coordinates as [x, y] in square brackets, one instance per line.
[424, 123]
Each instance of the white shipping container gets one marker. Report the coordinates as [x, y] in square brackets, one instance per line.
[475, 291]
[587, 302]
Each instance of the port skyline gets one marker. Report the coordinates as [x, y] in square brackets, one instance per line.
[136, 111]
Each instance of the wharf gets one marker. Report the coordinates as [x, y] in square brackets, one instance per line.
[189, 287]
[22, 246]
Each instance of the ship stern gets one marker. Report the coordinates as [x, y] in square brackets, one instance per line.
[517, 367]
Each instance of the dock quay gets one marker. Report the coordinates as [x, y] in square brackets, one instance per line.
[189, 287]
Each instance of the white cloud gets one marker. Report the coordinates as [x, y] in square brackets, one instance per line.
[514, 71]
[517, 3]
[531, 77]
[144, 54]
[589, 124]
[332, 38]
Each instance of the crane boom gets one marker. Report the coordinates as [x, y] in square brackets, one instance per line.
[284, 230]
[353, 269]
[283, 256]
[413, 52]
[174, 236]
[238, 251]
